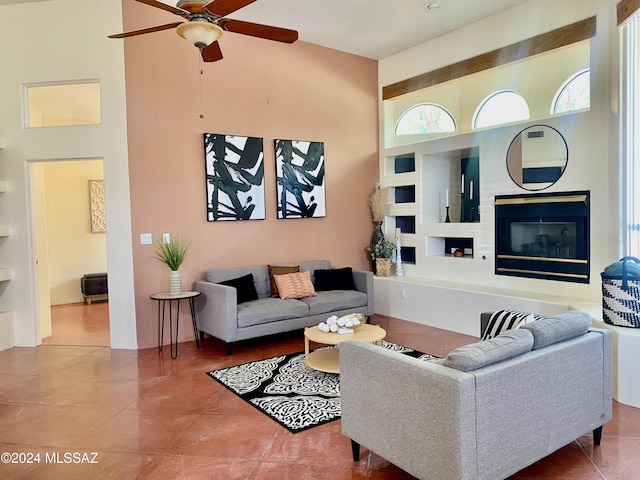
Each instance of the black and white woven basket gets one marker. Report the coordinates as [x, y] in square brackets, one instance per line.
[621, 297]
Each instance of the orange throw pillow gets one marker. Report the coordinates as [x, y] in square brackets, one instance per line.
[295, 285]
[279, 270]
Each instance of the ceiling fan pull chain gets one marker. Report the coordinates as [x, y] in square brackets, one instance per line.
[200, 79]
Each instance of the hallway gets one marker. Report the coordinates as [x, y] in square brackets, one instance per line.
[78, 324]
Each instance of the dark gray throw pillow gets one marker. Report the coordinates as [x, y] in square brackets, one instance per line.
[558, 328]
[476, 355]
[245, 288]
[334, 279]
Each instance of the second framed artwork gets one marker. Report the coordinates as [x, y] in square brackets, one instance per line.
[300, 179]
[236, 184]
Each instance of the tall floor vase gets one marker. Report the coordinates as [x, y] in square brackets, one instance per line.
[175, 283]
[378, 235]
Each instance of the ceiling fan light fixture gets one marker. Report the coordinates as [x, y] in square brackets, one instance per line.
[199, 33]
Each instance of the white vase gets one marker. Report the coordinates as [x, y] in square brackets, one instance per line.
[175, 283]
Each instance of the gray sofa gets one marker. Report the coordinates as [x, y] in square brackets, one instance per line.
[489, 409]
[222, 317]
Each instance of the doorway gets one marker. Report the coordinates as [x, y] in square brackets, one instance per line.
[68, 246]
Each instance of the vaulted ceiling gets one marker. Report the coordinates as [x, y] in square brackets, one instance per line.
[369, 28]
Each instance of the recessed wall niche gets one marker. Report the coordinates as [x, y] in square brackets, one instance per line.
[408, 255]
[405, 194]
[404, 163]
[406, 223]
[451, 179]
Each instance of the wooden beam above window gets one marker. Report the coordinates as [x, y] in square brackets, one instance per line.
[626, 8]
[576, 32]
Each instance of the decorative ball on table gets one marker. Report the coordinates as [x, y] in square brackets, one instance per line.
[344, 324]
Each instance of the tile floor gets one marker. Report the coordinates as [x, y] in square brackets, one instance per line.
[147, 416]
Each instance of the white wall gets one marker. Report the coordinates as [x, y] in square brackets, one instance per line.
[67, 41]
[591, 138]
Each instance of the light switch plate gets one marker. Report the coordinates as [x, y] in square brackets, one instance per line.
[166, 238]
[145, 239]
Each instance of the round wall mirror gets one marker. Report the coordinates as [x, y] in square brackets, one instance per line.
[537, 157]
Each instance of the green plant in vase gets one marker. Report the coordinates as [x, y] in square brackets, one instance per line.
[381, 249]
[381, 253]
[173, 253]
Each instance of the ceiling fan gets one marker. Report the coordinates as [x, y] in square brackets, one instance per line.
[206, 22]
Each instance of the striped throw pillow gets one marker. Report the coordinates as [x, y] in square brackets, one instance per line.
[295, 285]
[503, 320]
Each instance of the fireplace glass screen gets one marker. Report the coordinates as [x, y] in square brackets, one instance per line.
[544, 239]
[543, 236]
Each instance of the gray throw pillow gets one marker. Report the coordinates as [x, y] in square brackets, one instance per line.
[480, 354]
[559, 328]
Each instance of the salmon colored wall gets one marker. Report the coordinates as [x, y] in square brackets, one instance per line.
[263, 89]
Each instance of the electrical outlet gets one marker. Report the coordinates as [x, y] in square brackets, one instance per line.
[166, 238]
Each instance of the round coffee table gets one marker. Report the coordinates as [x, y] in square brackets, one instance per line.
[328, 359]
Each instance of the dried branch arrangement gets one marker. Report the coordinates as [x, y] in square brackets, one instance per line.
[378, 203]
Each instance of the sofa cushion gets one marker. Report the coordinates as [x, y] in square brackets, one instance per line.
[279, 270]
[335, 300]
[556, 329]
[267, 310]
[245, 289]
[334, 279]
[314, 265]
[294, 285]
[259, 272]
[480, 354]
[503, 320]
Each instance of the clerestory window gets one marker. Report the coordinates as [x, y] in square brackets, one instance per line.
[425, 118]
[504, 106]
[574, 94]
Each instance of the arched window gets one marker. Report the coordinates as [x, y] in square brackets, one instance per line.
[505, 106]
[574, 94]
[425, 118]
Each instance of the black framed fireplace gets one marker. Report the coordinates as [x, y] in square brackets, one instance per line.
[543, 235]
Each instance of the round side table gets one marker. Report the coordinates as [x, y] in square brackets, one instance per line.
[328, 359]
[162, 298]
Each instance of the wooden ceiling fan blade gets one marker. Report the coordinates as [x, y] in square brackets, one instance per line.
[212, 53]
[223, 8]
[258, 30]
[142, 31]
[164, 6]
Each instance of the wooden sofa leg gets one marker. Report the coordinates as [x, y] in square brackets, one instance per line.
[597, 435]
[355, 450]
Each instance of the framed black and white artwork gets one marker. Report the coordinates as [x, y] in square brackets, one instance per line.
[300, 179]
[235, 177]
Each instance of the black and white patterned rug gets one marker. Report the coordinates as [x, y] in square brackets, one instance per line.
[285, 389]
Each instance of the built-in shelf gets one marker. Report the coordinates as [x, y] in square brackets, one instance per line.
[408, 255]
[406, 223]
[446, 246]
[405, 194]
[421, 186]
[5, 274]
[4, 230]
[404, 163]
